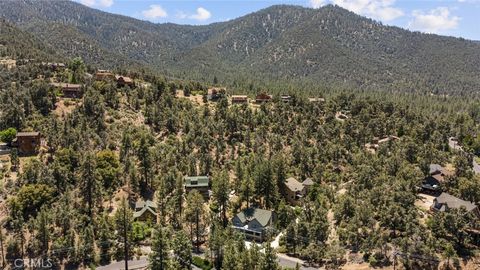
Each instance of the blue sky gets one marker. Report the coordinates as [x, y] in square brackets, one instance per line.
[460, 18]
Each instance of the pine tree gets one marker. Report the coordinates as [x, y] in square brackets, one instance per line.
[159, 258]
[105, 239]
[182, 250]
[221, 192]
[268, 260]
[194, 213]
[291, 238]
[89, 186]
[86, 246]
[145, 159]
[230, 257]
[124, 232]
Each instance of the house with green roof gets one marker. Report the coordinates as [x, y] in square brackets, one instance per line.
[145, 211]
[199, 183]
[253, 223]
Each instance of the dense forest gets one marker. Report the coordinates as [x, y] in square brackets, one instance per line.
[290, 45]
[73, 201]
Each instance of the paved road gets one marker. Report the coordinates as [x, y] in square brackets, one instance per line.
[132, 265]
[454, 145]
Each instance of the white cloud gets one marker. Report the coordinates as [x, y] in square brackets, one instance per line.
[154, 12]
[434, 21]
[89, 3]
[201, 15]
[106, 3]
[102, 3]
[383, 10]
[181, 15]
[317, 3]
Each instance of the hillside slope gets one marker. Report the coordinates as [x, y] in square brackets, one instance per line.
[329, 46]
[18, 44]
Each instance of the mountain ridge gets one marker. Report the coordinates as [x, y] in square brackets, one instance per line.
[330, 46]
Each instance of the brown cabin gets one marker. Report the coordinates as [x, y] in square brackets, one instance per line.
[28, 142]
[103, 75]
[123, 80]
[260, 98]
[70, 90]
[239, 99]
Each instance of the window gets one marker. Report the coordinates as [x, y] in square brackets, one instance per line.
[194, 182]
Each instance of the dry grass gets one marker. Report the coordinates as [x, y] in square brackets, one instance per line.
[64, 107]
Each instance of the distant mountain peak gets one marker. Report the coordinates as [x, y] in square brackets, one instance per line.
[328, 46]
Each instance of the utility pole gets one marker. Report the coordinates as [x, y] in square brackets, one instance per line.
[125, 242]
[197, 233]
[1, 246]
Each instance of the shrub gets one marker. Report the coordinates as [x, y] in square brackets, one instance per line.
[8, 135]
[202, 263]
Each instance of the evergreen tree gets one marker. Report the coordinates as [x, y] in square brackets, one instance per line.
[89, 186]
[159, 258]
[182, 250]
[221, 192]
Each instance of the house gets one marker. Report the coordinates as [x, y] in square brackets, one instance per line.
[103, 75]
[341, 116]
[431, 184]
[445, 202]
[199, 183]
[54, 66]
[293, 190]
[437, 176]
[262, 97]
[8, 63]
[387, 139]
[308, 184]
[315, 100]
[69, 90]
[286, 98]
[28, 142]
[215, 93]
[239, 99]
[377, 142]
[124, 81]
[439, 172]
[145, 211]
[254, 223]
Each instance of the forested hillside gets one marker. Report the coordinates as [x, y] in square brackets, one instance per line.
[18, 44]
[329, 46]
[74, 199]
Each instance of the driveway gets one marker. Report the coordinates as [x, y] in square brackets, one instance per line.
[290, 262]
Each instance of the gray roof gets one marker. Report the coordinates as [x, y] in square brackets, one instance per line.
[140, 204]
[27, 134]
[308, 182]
[435, 168]
[293, 184]
[137, 214]
[262, 216]
[196, 181]
[454, 202]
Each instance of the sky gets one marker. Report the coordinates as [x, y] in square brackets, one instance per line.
[459, 18]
